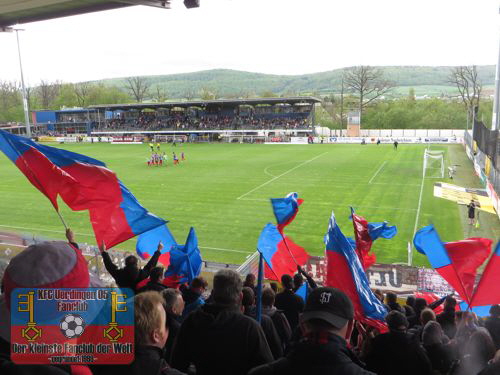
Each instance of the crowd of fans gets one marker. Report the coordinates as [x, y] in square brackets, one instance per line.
[152, 122]
[190, 330]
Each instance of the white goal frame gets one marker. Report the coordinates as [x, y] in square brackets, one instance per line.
[433, 160]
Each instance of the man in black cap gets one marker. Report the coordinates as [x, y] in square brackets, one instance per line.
[323, 349]
[396, 352]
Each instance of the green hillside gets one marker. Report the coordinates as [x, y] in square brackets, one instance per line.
[232, 83]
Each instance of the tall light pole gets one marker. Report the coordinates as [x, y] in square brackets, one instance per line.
[25, 97]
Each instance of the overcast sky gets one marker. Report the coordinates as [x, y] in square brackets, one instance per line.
[268, 36]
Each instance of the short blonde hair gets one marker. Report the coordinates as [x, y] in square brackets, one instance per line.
[146, 314]
[427, 315]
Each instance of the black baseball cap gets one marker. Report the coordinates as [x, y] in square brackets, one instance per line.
[328, 304]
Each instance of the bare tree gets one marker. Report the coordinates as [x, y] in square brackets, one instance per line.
[368, 83]
[469, 86]
[48, 92]
[82, 91]
[189, 94]
[160, 94]
[138, 87]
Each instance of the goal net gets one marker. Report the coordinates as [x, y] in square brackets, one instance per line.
[433, 164]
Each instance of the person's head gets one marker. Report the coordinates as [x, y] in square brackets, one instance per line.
[378, 293]
[268, 296]
[150, 319]
[495, 311]
[298, 280]
[248, 296]
[459, 316]
[131, 261]
[51, 264]
[198, 285]
[156, 274]
[420, 304]
[450, 303]
[227, 287]
[396, 321]
[432, 334]
[274, 287]
[174, 303]
[480, 346]
[410, 301]
[287, 281]
[426, 315]
[327, 310]
[250, 280]
[391, 297]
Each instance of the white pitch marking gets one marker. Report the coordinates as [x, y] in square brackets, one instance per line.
[419, 201]
[377, 172]
[266, 172]
[227, 250]
[284, 173]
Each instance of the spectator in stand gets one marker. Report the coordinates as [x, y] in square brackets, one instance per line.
[420, 304]
[396, 352]
[426, 316]
[279, 319]
[492, 324]
[274, 287]
[272, 337]
[409, 311]
[174, 305]
[155, 281]
[392, 302]
[478, 351]
[217, 338]
[447, 317]
[131, 274]
[298, 280]
[151, 333]
[291, 304]
[440, 351]
[323, 350]
[193, 295]
[250, 281]
[466, 327]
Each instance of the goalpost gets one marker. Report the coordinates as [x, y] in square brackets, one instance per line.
[433, 164]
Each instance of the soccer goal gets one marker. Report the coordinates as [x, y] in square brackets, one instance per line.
[433, 164]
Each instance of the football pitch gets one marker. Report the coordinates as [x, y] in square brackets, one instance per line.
[223, 191]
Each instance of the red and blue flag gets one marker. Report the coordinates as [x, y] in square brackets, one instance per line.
[457, 262]
[83, 183]
[345, 272]
[148, 241]
[185, 261]
[365, 233]
[488, 288]
[285, 209]
[281, 254]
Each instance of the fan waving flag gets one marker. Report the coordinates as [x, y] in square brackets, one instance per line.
[147, 241]
[281, 254]
[285, 209]
[488, 288]
[457, 262]
[185, 262]
[83, 183]
[345, 272]
[365, 233]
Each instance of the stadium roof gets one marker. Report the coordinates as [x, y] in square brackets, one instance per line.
[205, 103]
[17, 11]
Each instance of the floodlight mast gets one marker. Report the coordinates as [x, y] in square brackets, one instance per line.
[25, 97]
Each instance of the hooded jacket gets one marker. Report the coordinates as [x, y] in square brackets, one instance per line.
[218, 340]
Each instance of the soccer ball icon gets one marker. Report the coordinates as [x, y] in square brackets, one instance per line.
[72, 325]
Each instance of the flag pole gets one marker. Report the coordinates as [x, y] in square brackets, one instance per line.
[289, 251]
[62, 219]
[259, 288]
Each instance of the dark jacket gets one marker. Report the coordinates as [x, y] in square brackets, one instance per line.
[397, 353]
[291, 304]
[219, 340]
[281, 324]
[173, 329]
[129, 277]
[192, 301]
[442, 357]
[394, 306]
[491, 369]
[492, 324]
[148, 361]
[270, 331]
[447, 321]
[320, 355]
[157, 287]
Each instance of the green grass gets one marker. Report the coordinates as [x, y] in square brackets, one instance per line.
[203, 192]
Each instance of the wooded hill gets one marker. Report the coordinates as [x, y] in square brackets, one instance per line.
[225, 83]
